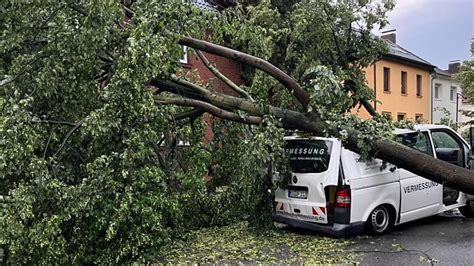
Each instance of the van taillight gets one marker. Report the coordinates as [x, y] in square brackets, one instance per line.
[343, 198]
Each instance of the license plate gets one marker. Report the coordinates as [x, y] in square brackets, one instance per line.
[298, 194]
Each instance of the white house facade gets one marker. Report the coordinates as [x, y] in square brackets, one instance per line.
[446, 97]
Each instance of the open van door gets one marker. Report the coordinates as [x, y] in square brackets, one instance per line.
[314, 164]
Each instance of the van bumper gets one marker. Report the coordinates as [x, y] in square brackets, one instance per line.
[336, 230]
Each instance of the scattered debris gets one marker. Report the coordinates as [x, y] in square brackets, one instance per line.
[238, 243]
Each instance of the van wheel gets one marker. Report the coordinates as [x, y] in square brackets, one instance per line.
[468, 210]
[380, 221]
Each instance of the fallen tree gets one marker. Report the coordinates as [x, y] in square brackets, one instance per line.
[102, 154]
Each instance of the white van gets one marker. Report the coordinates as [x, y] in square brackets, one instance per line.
[333, 192]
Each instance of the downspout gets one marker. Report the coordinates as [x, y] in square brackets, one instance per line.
[457, 110]
[431, 94]
[375, 86]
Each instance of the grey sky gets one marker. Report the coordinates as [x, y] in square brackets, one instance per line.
[436, 30]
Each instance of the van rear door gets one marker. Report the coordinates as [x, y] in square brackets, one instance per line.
[314, 163]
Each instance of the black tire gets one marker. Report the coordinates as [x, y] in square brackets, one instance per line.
[468, 210]
[380, 221]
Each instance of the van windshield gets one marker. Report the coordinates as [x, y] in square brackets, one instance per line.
[308, 156]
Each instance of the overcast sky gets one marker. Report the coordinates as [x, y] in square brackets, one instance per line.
[438, 31]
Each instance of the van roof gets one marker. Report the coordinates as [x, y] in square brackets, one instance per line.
[420, 127]
[417, 127]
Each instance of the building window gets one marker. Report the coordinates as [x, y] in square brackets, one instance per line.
[401, 116]
[386, 79]
[437, 91]
[404, 82]
[418, 85]
[184, 59]
[389, 114]
[452, 94]
[419, 118]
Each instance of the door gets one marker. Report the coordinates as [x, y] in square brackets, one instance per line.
[420, 197]
[449, 148]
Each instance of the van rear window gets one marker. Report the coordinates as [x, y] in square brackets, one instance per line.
[308, 156]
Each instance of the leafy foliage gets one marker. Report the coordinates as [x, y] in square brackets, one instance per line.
[94, 192]
[466, 76]
[239, 243]
[301, 34]
[446, 119]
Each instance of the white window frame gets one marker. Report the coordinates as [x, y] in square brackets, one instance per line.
[438, 89]
[184, 59]
[453, 94]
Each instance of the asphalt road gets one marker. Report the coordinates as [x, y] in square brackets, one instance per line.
[446, 239]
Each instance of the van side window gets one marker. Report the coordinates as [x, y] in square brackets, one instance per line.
[447, 148]
[444, 140]
[416, 140]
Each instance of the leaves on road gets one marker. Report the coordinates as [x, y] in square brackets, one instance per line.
[238, 243]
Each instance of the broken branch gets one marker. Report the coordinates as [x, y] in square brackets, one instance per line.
[222, 77]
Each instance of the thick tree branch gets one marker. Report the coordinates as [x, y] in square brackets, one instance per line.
[190, 85]
[192, 114]
[301, 95]
[128, 12]
[158, 86]
[222, 77]
[222, 101]
[254, 120]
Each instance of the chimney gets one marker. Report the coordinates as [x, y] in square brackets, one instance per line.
[453, 66]
[390, 35]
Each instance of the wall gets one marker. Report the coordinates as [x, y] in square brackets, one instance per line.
[393, 101]
[229, 68]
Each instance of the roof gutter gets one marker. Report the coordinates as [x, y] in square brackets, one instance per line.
[407, 61]
[434, 75]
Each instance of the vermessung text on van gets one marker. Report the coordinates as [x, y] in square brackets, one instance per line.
[419, 186]
[308, 156]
